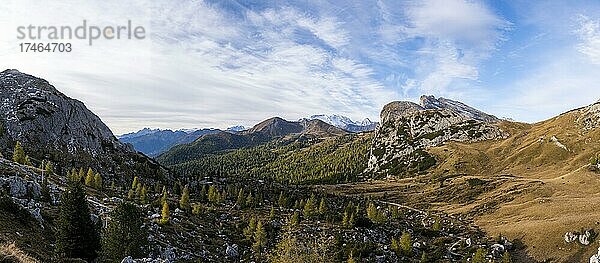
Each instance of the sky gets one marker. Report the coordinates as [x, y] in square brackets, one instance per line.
[209, 63]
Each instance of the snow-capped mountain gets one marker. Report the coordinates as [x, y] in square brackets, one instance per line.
[237, 128]
[345, 123]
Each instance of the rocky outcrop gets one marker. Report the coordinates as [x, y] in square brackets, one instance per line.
[407, 129]
[589, 117]
[584, 238]
[52, 126]
[431, 103]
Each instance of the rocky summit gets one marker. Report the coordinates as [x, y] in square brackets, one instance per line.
[52, 126]
[407, 129]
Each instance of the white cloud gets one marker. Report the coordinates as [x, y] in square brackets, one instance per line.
[457, 35]
[200, 67]
[589, 34]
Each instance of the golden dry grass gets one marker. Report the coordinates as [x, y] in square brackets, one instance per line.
[10, 253]
[534, 189]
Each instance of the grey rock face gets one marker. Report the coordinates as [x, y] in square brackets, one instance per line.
[232, 251]
[431, 103]
[51, 125]
[407, 129]
[31, 104]
[590, 117]
[19, 187]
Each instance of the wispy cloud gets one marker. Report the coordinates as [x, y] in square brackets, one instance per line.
[589, 34]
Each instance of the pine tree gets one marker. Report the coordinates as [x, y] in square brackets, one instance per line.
[479, 256]
[241, 201]
[19, 154]
[424, 258]
[322, 206]
[250, 229]
[295, 219]
[76, 235]
[184, 202]
[165, 215]
[203, 194]
[27, 161]
[406, 244]
[125, 235]
[260, 237]
[272, 213]
[163, 198]
[309, 207]
[506, 257]
[250, 200]
[49, 168]
[351, 258]
[89, 179]
[130, 194]
[135, 182]
[81, 174]
[282, 201]
[437, 226]
[144, 195]
[98, 181]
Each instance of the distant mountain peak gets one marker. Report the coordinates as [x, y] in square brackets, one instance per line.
[344, 122]
[237, 128]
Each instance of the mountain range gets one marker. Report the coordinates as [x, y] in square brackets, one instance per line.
[460, 181]
[154, 142]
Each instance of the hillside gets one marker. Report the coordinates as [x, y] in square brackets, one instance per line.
[535, 186]
[54, 127]
[263, 132]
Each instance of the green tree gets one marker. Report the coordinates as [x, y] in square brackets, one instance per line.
[295, 219]
[310, 210]
[98, 181]
[184, 202]
[282, 201]
[250, 229]
[125, 235]
[322, 206]
[163, 198]
[351, 258]
[506, 257]
[424, 258]
[250, 200]
[405, 244]
[19, 154]
[76, 235]
[479, 256]
[437, 225]
[28, 161]
[272, 213]
[135, 182]
[89, 178]
[260, 237]
[49, 168]
[240, 202]
[144, 195]
[165, 215]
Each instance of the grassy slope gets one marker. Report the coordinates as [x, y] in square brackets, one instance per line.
[522, 187]
[551, 188]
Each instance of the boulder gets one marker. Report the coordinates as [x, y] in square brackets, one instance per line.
[232, 251]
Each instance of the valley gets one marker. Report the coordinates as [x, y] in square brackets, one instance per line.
[437, 181]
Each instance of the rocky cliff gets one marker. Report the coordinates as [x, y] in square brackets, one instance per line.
[52, 126]
[408, 129]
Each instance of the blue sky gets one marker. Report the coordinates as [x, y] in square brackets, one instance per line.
[222, 63]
